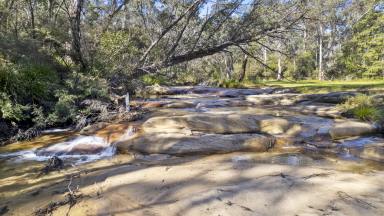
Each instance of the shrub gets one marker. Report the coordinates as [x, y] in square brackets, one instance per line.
[363, 107]
[10, 110]
[366, 113]
[231, 84]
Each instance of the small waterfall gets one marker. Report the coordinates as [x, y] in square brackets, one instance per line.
[80, 149]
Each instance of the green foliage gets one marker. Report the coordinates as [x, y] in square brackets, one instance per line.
[358, 101]
[24, 78]
[231, 84]
[363, 107]
[78, 87]
[39, 119]
[65, 108]
[363, 54]
[366, 113]
[10, 110]
[120, 50]
[86, 86]
[305, 65]
[316, 86]
[152, 79]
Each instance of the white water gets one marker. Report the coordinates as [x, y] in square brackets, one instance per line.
[79, 145]
[56, 130]
[81, 149]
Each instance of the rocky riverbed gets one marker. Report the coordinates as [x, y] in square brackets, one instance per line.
[206, 151]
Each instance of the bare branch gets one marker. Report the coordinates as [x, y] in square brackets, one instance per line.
[166, 30]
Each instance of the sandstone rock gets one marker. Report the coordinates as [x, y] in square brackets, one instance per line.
[218, 124]
[374, 152]
[179, 144]
[275, 99]
[180, 104]
[153, 104]
[333, 97]
[350, 129]
[274, 125]
[243, 92]
[156, 90]
[93, 128]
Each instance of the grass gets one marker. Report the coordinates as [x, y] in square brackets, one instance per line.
[316, 86]
[363, 107]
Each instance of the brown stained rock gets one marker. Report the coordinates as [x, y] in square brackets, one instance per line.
[91, 129]
[153, 104]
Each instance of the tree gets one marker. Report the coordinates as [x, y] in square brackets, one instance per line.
[363, 54]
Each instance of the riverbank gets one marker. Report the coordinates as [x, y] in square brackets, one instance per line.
[208, 151]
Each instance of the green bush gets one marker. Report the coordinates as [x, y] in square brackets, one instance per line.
[363, 107]
[9, 110]
[31, 83]
[86, 86]
[231, 84]
[152, 80]
[65, 108]
[366, 113]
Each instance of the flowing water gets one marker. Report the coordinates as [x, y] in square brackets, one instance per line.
[19, 162]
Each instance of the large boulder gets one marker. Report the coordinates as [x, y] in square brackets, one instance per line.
[181, 144]
[218, 124]
[332, 97]
[351, 128]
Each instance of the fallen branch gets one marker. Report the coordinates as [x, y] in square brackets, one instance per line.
[71, 198]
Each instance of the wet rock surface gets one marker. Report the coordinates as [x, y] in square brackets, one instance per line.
[194, 115]
[215, 151]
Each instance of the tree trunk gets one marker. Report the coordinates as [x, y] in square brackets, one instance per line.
[16, 22]
[127, 107]
[305, 38]
[4, 15]
[228, 66]
[279, 72]
[243, 68]
[265, 60]
[50, 11]
[32, 12]
[321, 72]
[75, 20]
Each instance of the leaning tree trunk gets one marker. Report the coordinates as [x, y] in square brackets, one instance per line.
[75, 20]
[243, 68]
